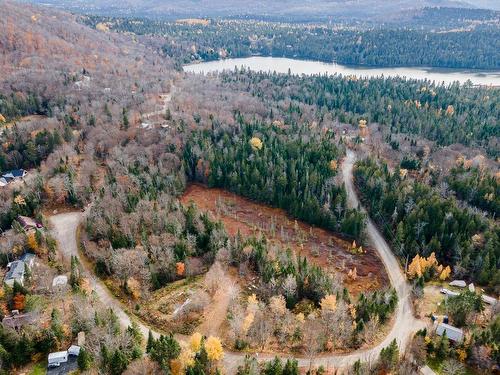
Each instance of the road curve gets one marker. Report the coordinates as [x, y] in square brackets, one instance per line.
[405, 324]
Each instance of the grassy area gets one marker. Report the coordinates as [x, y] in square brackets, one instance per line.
[39, 369]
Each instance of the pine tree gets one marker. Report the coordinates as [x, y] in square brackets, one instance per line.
[84, 360]
[150, 343]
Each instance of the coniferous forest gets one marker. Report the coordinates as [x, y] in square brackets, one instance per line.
[418, 220]
[294, 168]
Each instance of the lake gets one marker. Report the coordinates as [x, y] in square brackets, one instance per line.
[282, 65]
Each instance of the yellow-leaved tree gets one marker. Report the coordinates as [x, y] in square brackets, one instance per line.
[415, 269]
[329, 303]
[32, 243]
[195, 342]
[445, 273]
[2, 119]
[247, 323]
[256, 143]
[277, 304]
[187, 358]
[213, 346]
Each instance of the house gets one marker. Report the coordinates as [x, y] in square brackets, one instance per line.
[453, 333]
[28, 259]
[64, 362]
[15, 273]
[16, 269]
[17, 321]
[57, 358]
[458, 283]
[28, 223]
[15, 174]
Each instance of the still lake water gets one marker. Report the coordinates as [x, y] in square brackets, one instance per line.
[281, 65]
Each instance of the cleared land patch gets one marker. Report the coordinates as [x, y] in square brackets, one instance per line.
[321, 247]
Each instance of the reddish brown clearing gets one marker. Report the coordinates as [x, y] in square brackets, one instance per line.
[321, 247]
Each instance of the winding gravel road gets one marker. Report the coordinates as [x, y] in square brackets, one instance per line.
[405, 324]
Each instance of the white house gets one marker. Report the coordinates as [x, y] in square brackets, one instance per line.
[57, 358]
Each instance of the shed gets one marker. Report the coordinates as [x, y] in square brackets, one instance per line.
[28, 223]
[57, 358]
[60, 280]
[458, 283]
[453, 333]
[16, 321]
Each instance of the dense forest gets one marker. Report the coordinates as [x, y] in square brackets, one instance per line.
[418, 220]
[444, 114]
[476, 186]
[474, 48]
[291, 167]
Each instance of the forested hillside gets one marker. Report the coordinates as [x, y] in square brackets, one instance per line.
[446, 115]
[291, 10]
[111, 133]
[457, 46]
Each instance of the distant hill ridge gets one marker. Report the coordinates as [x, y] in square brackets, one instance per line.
[285, 9]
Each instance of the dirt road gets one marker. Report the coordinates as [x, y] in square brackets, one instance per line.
[64, 230]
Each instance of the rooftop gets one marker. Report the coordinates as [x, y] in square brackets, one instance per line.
[16, 270]
[453, 333]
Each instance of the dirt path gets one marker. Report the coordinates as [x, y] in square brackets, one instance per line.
[216, 312]
[405, 324]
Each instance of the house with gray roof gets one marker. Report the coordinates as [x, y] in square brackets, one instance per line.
[453, 333]
[15, 273]
[16, 269]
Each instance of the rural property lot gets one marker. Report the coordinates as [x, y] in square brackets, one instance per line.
[322, 247]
